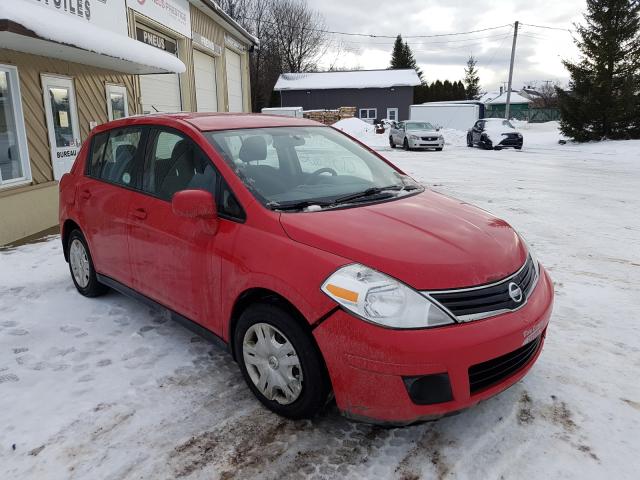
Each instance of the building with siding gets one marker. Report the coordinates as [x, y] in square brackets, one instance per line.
[66, 67]
[376, 94]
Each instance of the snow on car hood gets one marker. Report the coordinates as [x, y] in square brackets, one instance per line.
[495, 131]
[428, 241]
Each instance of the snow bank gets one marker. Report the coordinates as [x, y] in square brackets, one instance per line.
[363, 131]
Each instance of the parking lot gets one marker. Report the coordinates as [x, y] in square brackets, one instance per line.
[106, 388]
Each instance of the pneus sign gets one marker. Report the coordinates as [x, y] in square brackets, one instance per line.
[108, 14]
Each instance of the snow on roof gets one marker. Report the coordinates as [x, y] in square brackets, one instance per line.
[487, 96]
[350, 79]
[502, 99]
[128, 55]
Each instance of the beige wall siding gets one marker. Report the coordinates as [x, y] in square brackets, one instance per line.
[27, 210]
[91, 100]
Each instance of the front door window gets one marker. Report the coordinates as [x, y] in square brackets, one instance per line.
[62, 122]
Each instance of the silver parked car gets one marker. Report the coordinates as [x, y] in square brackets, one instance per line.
[410, 135]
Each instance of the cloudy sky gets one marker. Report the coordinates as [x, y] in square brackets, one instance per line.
[538, 54]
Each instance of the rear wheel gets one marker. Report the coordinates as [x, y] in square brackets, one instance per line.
[469, 141]
[81, 267]
[280, 362]
[392, 144]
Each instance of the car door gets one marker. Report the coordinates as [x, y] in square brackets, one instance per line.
[172, 257]
[103, 197]
[399, 137]
[477, 131]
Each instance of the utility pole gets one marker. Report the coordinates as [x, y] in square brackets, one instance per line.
[513, 56]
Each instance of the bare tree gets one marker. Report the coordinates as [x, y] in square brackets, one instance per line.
[298, 33]
[547, 95]
[239, 10]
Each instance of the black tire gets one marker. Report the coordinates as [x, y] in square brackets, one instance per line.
[316, 385]
[93, 288]
[469, 141]
[405, 145]
[392, 143]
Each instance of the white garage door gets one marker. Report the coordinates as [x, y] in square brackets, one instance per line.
[234, 81]
[160, 93]
[205, 73]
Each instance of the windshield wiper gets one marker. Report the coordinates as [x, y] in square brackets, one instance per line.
[298, 205]
[369, 192]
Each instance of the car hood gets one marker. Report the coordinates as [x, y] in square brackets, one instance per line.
[423, 132]
[428, 240]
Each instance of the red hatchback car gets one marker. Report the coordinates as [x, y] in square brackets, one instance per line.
[322, 266]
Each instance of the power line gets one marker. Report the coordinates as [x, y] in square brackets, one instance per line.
[546, 27]
[373, 35]
[463, 40]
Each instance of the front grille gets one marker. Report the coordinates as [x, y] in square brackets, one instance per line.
[485, 301]
[485, 374]
[429, 139]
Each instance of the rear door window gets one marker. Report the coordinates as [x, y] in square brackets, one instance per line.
[114, 155]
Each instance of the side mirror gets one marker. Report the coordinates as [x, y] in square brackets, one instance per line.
[194, 204]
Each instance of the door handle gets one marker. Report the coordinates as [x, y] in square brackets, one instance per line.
[85, 194]
[139, 213]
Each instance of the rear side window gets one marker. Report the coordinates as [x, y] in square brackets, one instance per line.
[97, 152]
[175, 163]
[113, 156]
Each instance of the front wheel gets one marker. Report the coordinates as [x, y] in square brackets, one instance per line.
[392, 144]
[405, 145]
[469, 141]
[280, 362]
[81, 267]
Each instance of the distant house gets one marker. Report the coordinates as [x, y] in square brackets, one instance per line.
[376, 94]
[518, 106]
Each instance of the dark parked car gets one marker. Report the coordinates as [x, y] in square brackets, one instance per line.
[494, 133]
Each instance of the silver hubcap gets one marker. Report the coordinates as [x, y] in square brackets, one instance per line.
[272, 363]
[79, 261]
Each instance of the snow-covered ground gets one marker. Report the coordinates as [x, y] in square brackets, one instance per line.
[105, 388]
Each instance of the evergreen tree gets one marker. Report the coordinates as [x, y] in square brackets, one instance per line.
[603, 100]
[399, 55]
[472, 80]
[402, 57]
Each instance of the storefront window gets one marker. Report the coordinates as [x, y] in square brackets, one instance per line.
[13, 157]
[61, 110]
[117, 102]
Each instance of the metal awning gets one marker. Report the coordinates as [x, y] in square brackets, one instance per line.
[29, 28]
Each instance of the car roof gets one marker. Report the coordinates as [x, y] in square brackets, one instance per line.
[205, 121]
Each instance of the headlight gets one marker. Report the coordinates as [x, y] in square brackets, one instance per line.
[380, 299]
[414, 137]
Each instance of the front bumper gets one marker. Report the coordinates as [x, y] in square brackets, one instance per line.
[426, 143]
[369, 365]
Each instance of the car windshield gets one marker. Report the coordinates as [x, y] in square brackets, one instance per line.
[419, 126]
[293, 168]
